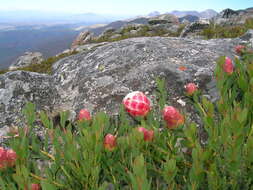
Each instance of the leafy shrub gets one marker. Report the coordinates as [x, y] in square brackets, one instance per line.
[143, 31]
[74, 157]
[217, 31]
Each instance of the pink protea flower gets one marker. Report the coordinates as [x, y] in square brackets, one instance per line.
[11, 157]
[172, 117]
[35, 186]
[228, 66]
[191, 88]
[137, 104]
[110, 142]
[147, 134]
[7, 158]
[2, 158]
[239, 49]
[84, 114]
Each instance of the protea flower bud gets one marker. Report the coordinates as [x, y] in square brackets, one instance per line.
[35, 186]
[137, 104]
[84, 114]
[147, 134]
[11, 157]
[228, 66]
[191, 88]
[240, 49]
[110, 142]
[7, 158]
[2, 158]
[172, 117]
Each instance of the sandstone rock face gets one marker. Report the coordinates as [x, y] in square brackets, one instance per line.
[193, 28]
[231, 17]
[82, 39]
[99, 78]
[19, 87]
[27, 59]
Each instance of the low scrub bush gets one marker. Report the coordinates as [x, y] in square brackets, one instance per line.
[217, 31]
[44, 67]
[160, 150]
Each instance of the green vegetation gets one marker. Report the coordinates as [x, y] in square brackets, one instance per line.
[44, 67]
[74, 156]
[143, 31]
[216, 31]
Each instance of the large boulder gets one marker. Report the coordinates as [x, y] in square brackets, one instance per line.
[99, 79]
[27, 59]
[19, 87]
[82, 39]
[193, 28]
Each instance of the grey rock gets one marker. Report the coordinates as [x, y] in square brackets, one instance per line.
[27, 59]
[19, 87]
[115, 36]
[193, 28]
[89, 46]
[99, 79]
[83, 38]
[248, 38]
[133, 32]
[231, 17]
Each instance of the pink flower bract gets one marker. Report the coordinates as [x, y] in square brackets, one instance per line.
[84, 114]
[110, 142]
[228, 66]
[172, 117]
[137, 104]
[190, 88]
[7, 158]
[147, 134]
[35, 186]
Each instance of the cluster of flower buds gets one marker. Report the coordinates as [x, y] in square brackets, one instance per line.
[7, 158]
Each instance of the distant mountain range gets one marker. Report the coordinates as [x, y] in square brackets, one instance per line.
[52, 18]
[209, 13]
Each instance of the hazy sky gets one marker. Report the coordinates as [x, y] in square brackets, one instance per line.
[131, 7]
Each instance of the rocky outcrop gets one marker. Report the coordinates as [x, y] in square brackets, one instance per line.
[82, 39]
[27, 59]
[248, 38]
[19, 87]
[99, 78]
[162, 25]
[231, 17]
[164, 19]
[188, 18]
[193, 29]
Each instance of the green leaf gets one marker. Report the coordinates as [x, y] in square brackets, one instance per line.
[47, 186]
